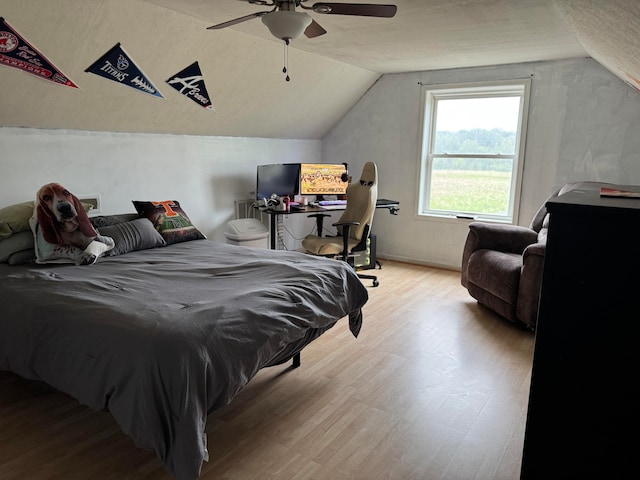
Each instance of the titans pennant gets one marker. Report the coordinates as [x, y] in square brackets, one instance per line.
[190, 83]
[117, 66]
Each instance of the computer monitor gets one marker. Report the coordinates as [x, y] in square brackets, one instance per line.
[280, 178]
[322, 179]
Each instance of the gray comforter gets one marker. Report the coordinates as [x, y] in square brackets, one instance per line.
[162, 337]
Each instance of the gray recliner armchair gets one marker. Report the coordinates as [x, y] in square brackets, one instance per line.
[502, 264]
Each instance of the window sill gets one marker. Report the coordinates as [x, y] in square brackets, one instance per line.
[459, 218]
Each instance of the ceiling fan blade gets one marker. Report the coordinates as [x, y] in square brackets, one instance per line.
[361, 9]
[237, 20]
[314, 30]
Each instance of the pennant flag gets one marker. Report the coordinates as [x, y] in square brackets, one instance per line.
[116, 65]
[16, 52]
[190, 83]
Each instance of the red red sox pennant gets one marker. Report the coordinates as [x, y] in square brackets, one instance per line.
[190, 83]
[16, 52]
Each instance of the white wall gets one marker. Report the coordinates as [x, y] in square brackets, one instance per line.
[584, 124]
[205, 174]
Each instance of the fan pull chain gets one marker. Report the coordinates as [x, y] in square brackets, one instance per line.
[286, 59]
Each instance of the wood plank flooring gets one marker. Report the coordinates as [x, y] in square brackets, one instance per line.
[435, 387]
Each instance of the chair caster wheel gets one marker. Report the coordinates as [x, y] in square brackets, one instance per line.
[376, 283]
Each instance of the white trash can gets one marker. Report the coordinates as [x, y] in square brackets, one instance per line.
[247, 232]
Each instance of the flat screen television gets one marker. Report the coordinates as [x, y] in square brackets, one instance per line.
[279, 178]
[322, 179]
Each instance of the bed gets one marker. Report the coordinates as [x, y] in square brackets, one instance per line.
[161, 337]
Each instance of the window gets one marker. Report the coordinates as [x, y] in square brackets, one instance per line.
[473, 144]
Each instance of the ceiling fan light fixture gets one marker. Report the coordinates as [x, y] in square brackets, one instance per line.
[286, 25]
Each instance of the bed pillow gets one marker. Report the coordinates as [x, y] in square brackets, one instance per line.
[170, 220]
[15, 218]
[15, 243]
[137, 234]
[22, 257]
[107, 220]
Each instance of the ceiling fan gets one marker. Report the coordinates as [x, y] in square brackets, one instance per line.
[286, 24]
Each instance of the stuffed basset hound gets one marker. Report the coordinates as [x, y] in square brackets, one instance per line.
[62, 230]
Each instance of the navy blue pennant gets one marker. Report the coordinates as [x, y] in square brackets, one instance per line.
[117, 66]
[190, 83]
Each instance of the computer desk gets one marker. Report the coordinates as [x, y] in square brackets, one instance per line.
[392, 205]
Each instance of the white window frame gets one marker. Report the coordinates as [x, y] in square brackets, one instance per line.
[430, 95]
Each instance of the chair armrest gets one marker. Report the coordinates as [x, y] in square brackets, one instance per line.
[503, 238]
[530, 283]
[319, 221]
[346, 226]
[538, 249]
[494, 236]
[343, 224]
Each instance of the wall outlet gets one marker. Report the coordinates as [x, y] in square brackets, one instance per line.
[93, 200]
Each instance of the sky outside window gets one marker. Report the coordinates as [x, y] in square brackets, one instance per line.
[471, 113]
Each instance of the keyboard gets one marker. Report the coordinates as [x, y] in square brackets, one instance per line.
[333, 207]
[324, 203]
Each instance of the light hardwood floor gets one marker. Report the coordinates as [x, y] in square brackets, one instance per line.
[435, 387]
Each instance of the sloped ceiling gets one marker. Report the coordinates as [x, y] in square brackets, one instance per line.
[242, 65]
[609, 30]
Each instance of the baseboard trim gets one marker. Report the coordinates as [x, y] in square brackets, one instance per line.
[399, 258]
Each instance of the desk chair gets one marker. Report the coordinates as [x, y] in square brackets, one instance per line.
[354, 226]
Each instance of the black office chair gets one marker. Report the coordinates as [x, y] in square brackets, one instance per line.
[354, 225]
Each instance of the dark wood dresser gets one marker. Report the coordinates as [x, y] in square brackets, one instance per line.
[584, 404]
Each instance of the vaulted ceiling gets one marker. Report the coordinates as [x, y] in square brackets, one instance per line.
[242, 65]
